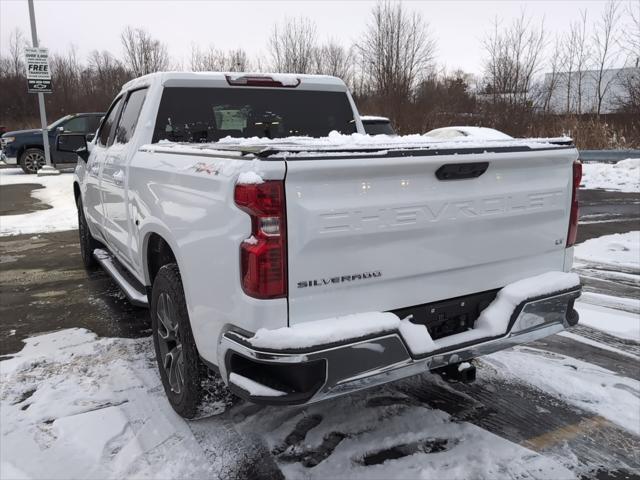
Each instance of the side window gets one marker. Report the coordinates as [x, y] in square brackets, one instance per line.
[109, 123]
[130, 114]
[93, 121]
[76, 124]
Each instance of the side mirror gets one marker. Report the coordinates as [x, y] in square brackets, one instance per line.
[73, 143]
[60, 129]
[90, 137]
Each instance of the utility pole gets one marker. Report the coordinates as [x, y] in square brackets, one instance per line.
[47, 169]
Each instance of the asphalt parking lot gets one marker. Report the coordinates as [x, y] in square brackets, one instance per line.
[44, 287]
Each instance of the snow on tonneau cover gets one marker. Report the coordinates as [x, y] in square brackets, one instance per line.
[377, 223]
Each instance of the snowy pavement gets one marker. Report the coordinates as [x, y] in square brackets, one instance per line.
[56, 192]
[98, 404]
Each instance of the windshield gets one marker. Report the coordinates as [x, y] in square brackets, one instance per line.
[208, 114]
[59, 121]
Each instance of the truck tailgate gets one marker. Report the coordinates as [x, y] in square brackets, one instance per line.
[378, 234]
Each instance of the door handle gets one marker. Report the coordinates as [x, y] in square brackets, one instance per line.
[461, 171]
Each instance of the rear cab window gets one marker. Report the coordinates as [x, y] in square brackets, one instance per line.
[196, 115]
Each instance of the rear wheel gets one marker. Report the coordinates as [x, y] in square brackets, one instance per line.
[192, 389]
[87, 243]
[32, 160]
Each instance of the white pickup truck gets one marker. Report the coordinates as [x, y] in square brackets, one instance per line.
[284, 253]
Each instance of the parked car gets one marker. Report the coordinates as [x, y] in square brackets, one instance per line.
[377, 125]
[291, 271]
[477, 133]
[25, 147]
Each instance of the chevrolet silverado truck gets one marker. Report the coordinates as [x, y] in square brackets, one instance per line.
[289, 257]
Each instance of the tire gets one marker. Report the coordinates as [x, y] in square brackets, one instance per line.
[87, 243]
[32, 160]
[192, 389]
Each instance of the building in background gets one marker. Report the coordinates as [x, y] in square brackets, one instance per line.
[577, 92]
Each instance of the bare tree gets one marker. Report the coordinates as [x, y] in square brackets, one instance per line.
[395, 49]
[552, 78]
[292, 45]
[583, 57]
[334, 59]
[604, 43]
[214, 60]
[17, 43]
[630, 42]
[106, 75]
[569, 47]
[514, 58]
[65, 74]
[142, 53]
[237, 61]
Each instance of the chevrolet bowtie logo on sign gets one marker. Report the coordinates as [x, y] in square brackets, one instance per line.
[38, 74]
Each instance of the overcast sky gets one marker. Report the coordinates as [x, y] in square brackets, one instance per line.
[458, 26]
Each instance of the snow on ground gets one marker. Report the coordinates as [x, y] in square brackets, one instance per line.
[623, 176]
[76, 406]
[57, 192]
[426, 443]
[587, 386]
[616, 250]
[615, 322]
[619, 253]
[617, 303]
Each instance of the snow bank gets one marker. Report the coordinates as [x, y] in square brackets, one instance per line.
[57, 192]
[73, 405]
[617, 250]
[623, 176]
[493, 321]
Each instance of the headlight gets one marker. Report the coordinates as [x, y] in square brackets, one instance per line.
[8, 139]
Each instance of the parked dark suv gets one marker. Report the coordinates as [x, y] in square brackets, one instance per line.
[25, 148]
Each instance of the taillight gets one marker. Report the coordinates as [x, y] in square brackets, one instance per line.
[263, 256]
[573, 218]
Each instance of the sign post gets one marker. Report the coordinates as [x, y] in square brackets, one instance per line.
[39, 80]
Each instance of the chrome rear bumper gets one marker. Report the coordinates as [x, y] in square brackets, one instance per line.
[362, 363]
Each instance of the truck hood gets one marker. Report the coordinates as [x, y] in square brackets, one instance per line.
[17, 133]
